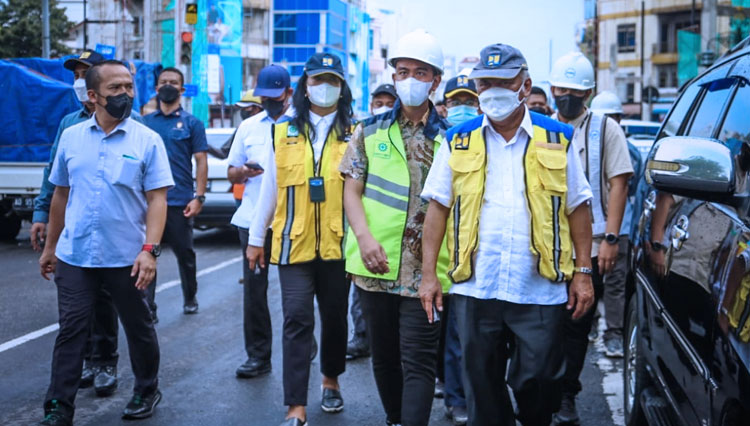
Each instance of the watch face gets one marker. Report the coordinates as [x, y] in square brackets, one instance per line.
[156, 250]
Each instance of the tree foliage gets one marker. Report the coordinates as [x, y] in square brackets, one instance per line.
[21, 28]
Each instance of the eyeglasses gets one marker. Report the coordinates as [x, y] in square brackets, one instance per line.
[455, 102]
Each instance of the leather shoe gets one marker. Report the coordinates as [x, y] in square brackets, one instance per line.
[357, 348]
[190, 307]
[87, 375]
[253, 367]
[141, 407]
[332, 401]
[105, 381]
[56, 414]
[293, 421]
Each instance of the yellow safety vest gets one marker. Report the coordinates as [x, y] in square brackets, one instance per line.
[304, 230]
[545, 167]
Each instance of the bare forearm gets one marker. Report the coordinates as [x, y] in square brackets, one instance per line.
[580, 232]
[235, 175]
[618, 197]
[353, 207]
[201, 173]
[57, 215]
[156, 215]
[432, 236]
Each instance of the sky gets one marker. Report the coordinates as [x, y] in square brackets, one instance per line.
[464, 27]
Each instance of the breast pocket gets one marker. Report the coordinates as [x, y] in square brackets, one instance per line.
[552, 169]
[179, 134]
[127, 172]
[290, 162]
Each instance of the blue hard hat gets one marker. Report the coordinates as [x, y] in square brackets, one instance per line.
[272, 81]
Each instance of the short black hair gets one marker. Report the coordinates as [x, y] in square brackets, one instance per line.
[93, 75]
[174, 70]
[536, 90]
[440, 103]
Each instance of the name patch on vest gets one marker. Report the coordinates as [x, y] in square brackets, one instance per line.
[462, 142]
[382, 150]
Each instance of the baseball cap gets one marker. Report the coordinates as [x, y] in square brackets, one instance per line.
[88, 58]
[272, 81]
[499, 61]
[248, 99]
[385, 89]
[459, 84]
[324, 63]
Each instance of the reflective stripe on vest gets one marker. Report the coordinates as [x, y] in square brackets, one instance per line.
[303, 230]
[545, 170]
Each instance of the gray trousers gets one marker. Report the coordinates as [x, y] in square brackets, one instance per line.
[614, 292]
[530, 336]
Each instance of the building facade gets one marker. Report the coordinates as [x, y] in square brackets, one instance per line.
[644, 50]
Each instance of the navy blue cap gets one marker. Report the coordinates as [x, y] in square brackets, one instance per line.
[499, 61]
[459, 84]
[387, 89]
[324, 63]
[88, 58]
[272, 81]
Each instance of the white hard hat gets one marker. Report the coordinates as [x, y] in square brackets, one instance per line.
[419, 45]
[572, 71]
[606, 103]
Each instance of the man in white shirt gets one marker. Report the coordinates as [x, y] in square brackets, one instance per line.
[246, 164]
[517, 204]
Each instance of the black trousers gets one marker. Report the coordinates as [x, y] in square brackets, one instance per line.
[404, 350]
[576, 337]
[327, 281]
[178, 234]
[101, 344]
[256, 317]
[493, 331]
[77, 289]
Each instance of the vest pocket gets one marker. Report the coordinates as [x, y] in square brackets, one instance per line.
[552, 169]
[467, 174]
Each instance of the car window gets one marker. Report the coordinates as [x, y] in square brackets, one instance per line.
[216, 140]
[709, 111]
[680, 110]
[736, 126]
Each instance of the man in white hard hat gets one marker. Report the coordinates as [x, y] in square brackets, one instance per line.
[510, 191]
[609, 104]
[385, 166]
[604, 154]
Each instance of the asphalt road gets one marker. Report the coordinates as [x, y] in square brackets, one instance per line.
[200, 353]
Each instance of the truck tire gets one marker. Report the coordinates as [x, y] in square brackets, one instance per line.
[10, 223]
[635, 376]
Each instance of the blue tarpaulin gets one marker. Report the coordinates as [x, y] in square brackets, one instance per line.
[30, 112]
[37, 94]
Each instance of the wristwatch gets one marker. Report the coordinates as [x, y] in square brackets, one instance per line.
[583, 270]
[201, 198]
[658, 246]
[611, 238]
[153, 249]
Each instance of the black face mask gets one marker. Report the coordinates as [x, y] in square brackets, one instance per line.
[120, 106]
[569, 106]
[168, 94]
[245, 114]
[539, 110]
[273, 108]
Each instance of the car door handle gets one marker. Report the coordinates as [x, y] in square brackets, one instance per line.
[680, 232]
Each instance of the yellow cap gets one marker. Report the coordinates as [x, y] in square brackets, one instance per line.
[248, 99]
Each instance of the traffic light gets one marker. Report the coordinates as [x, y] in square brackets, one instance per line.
[186, 49]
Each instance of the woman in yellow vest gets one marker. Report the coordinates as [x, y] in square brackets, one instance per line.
[301, 199]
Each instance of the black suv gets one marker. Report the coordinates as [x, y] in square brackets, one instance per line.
[687, 336]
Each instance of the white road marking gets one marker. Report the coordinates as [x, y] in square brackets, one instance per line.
[18, 341]
[612, 381]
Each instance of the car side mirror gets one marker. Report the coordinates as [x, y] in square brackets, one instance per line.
[693, 167]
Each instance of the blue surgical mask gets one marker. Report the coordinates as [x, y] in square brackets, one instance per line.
[462, 113]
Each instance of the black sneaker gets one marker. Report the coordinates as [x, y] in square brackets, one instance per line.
[56, 414]
[190, 307]
[357, 348]
[458, 415]
[568, 415]
[141, 407]
[105, 381]
[613, 347]
[87, 375]
[332, 401]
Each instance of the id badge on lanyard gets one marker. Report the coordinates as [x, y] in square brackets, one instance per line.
[317, 189]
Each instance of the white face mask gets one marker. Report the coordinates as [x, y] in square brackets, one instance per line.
[381, 110]
[80, 87]
[499, 103]
[413, 92]
[323, 95]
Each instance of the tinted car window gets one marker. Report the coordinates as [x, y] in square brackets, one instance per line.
[709, 110]
[680, 110]
[736, 127]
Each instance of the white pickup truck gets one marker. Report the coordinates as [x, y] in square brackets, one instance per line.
[19, 185]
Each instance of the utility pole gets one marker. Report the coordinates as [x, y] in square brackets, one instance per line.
[45, 29]
[708, 33]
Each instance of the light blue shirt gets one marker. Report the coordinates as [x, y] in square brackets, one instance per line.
[108, 177]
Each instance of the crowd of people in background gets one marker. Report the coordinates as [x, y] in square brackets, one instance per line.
[474, 233]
